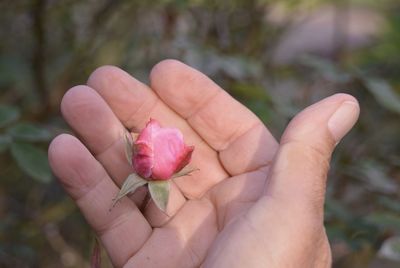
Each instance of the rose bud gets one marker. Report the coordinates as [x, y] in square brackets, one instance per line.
[159, 152]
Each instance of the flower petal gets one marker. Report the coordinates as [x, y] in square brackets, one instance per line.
[160, 152]
[185, 158]
[169, 150]
[143, 160]
[143, 157]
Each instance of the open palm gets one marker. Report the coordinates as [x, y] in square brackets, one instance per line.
[253, 203]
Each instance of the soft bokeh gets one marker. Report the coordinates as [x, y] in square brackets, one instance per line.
[276, 57]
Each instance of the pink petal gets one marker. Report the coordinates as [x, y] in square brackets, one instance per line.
[143, 157]
[169, 153]
[185, 158]
[160, 152]
[142, 160]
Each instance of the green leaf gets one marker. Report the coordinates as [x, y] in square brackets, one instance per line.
[390, 203]
[326, 68]
[335, 209]
[250, 92]
[384, 220]
[159, 191]
[375, 176]
[128, 147]
[32, 160]
[383, 93]
[132, 182]
[5, 141]
[29, 132]
[8, 114]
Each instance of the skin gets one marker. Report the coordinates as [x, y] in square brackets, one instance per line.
[253, 203]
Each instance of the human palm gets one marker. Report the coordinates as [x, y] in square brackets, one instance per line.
[253, 203]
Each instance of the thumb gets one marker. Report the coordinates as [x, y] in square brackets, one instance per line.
[299, 171]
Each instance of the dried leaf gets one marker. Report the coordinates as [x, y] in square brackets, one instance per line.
[95, 261]
[132, 182]
[185, 172]
[128, 147]
[159, 191]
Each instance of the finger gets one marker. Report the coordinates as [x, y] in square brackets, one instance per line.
[98, 128]
[134, 103]
[291, 208]
[86, 181]
[242, 140]
[90, 116]
[299, 172]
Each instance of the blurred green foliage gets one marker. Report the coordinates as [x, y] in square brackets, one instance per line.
[48, 46]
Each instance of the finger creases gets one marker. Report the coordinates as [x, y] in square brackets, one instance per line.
[86, 181]
[133, 103]
[225, 124]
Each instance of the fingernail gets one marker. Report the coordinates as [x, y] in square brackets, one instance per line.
[343, 119]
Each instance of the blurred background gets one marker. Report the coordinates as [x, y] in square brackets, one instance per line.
[276, 57]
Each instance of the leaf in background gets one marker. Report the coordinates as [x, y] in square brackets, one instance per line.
[390, 203]
[335, 209]
[260, 109]
[8, 114]
[132, 182]
[384, 220]
[375, 176]
[57, 212]
[238, 67]
[5, 141]
[327, 68]
[14, 71]
[254, 97]
[390, 249]
[249, 91]
[32, 160]
[29, 132]
[383, 93]
[159, 191]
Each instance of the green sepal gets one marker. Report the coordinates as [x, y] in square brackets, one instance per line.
[132, 182]
[159, 192]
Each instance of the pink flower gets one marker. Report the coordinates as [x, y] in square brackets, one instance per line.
[160, 152]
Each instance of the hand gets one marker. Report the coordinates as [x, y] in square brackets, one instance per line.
[254, 202]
